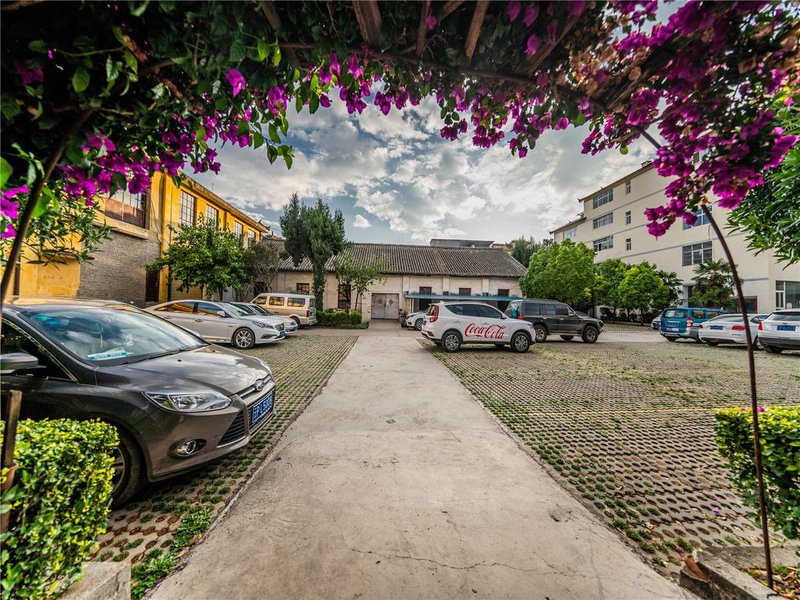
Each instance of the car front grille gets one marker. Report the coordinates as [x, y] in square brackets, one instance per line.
[279, 327]
[235, 432]
[250, 393]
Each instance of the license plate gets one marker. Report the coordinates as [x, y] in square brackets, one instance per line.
[262, 407]
[786, 327]
[716, 327]
[672, 329]
[283, 334]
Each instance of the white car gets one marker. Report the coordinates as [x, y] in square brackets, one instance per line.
[256, 310]
[414, 320]
[451, 324]
[729, 329]
[781, 331]
[215, 322]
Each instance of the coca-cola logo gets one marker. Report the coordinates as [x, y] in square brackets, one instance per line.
[489, 332]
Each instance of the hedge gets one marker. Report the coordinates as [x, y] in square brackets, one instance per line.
[59, 504]
[338, 317]
[780, 442]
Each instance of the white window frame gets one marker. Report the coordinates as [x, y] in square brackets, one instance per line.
[628, 186]
[628, 246]
[628, 217]
[698, 253]
[570, 233]
[603, 243]
[603, 220]
[602, 199]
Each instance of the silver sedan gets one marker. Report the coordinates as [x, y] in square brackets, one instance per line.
[730, 329]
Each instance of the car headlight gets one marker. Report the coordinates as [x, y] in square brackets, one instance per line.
[190, 401]
[261, 324]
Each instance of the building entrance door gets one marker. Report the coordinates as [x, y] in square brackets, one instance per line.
[385, 306]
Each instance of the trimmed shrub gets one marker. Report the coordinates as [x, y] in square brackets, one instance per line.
[59, 504]
[355, 317]
[780, 442]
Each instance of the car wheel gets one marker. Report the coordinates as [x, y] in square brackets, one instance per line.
[451, 341]
[757, 344]
[128, 467]
[541, 333]
[590, 334]
[418, 327]
[520, 342]
[567, 338]
[243, 338]
[712, 343]
[671, 339]
[773, 350]
[296, 320]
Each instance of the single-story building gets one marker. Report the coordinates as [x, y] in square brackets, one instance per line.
[415, 276]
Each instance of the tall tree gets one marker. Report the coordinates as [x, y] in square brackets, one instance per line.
[610, 274]
[359, 277]
[205, 257]
[674, 284]
[643, 289]
[560, 271]
[313, 233]
[713, 284]
[260, 266]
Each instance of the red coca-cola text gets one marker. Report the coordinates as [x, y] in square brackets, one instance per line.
[490, 332]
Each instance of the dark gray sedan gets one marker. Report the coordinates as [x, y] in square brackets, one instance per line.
[177, 402]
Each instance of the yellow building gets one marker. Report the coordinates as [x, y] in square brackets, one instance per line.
[140, 234]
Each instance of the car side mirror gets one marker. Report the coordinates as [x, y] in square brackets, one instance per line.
[222, 313]
[14, 362]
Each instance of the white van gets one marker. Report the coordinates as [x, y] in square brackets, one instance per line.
[300, 307]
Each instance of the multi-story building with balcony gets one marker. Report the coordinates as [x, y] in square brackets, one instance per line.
[612, 222]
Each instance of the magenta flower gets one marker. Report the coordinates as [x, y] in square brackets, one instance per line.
[236, 79]
[575, 7]
[552, 26]
[562, 123]
[9, 232]
[533, 45]
[324, 101]
[512, 10]
[336, 68]
[354, 67]
[28, 76]
[530, 14]
[430, 21]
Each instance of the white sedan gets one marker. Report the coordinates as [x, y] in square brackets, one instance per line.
[216, 322]
[781, 331]
[729, 329]
[414, 320]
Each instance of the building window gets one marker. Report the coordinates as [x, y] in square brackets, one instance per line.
[188, 208]
[212, 215]
[424, 303]
[787, 294]
[628, 247]
[696, 254]
[627, 217]
[343, 302]
[702, 219]
[606, 219]
[628, 186]
[238, 230]
[465, 291]
[303, 288]
[127, 207]
[603, 243]
[570, 233]
[603, 198]
[502, 292]
[251, 239]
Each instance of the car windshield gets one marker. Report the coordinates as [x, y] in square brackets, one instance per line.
[793, 317]
[727, 318]
[673, 313]
[260, 310]
[234, 310]
[110, 336]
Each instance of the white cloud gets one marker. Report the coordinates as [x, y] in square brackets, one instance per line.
[360, 222]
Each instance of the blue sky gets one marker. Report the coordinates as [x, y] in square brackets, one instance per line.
[397, 181]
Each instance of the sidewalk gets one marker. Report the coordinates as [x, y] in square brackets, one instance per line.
[396, 484]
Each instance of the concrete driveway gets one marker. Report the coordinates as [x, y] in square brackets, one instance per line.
[395, 483]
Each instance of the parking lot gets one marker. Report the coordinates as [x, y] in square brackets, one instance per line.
[628, 427]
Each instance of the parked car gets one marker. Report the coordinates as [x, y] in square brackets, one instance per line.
[730, 329]
[679, 322]
[552, 317]
[289, 325]
[780, 331]
[176, 401]
[414, 320]
[299, 307]
[451, 324]
[656, 322]
[216, 322]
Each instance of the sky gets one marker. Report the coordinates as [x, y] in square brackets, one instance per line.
[397, 181]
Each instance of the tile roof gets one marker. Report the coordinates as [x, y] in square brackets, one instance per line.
[426, 260]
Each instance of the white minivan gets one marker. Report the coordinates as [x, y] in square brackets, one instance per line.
[300, 307]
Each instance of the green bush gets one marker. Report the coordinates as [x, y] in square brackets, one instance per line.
[780, 442]
[334, 318]
[59, 504]
[355, 317]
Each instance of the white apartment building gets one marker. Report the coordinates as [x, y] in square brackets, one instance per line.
[613, 223]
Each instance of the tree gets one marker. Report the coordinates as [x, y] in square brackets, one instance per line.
[563, 272]
[260, 266]
[643, 289]
[313, 233]
[205, 257]
[770, 214]
[674, 285]
[713, 284]
[610, 273]
[357, 276]
[522, 248]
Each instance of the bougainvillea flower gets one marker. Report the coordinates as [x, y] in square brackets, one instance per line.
[533, 45]
[530, 14]
[430, 21]
[512, 10]
[28, 76]
[236, 79]
[9, 232]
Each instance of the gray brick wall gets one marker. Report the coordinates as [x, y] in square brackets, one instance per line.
[117, 271]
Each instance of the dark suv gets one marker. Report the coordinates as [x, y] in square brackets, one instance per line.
[551, 317]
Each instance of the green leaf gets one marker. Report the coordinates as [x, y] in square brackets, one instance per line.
[112, 69]
[272, 154]
[131, 61]
[5, 171]
[276, 57]
[80, 79]
[238, 51]
[258, 139]
[138, 11]
[623, 149]
[288, 158]
[313, 104]
[263, 49]
[273, 134]
[38, 46]
[298, 103]
[42, 202]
